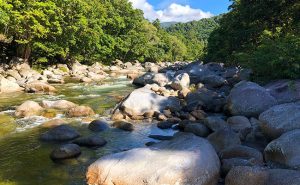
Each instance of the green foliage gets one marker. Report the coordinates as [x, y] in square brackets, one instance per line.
[85, 30]
[194, 35]
[263, 35]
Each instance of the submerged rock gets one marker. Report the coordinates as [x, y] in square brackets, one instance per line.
[186, 159]
[90, 141]
[123, 125]
[66, 151]
[60, 133]
[28, 108]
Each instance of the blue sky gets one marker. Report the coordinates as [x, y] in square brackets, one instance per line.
[216, 7]
[180, 10]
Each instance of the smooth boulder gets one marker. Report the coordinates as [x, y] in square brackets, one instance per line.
[60, 133]
[143, 100]
[186, 159]
[39, 87]
[280, 119]
[7, 86]
[80, 111]
[98, 126]
[66, 151]
[123, 125]
[28, 108]
[58, 104]
[90, 141]
[285, 150]
[246, 175]
[249, 99]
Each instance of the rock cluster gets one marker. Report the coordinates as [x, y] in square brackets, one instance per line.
[253, 129]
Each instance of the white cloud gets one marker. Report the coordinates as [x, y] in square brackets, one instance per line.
[174, 12]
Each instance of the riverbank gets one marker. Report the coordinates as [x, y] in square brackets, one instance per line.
[221, 121]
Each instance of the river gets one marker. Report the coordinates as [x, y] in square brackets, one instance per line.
[24, 159]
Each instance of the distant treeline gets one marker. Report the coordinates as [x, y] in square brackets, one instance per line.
[48, 31]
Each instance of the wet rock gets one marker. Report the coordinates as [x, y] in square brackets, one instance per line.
[39, 87]
[165, 124]
[280, 119]
[144, 100]
[59, 104]
[186, 154]
[181, 81]
[28, 108]
[160, 137]
[80, 111]
[54, 123]
[90, 141]
[198, 129]
[242, 175]
[123, 125]
[224, 138]
[98, 126]
[66, 151]
[285, 150]
[60, 133]
[249, 99]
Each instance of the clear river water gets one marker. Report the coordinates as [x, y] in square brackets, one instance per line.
[24, 159]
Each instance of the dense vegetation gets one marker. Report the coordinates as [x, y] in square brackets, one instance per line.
[195, 35]
[262, 35]
[45, 31]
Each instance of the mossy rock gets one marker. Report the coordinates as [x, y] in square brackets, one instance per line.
[49, 113]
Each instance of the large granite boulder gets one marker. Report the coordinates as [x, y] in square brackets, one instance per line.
[144, 100]
[186, 159]
[28, 108]
[285, 91]
[246, 175]
[280, 119]
[7, 86]
[249, 99]
[285, 150]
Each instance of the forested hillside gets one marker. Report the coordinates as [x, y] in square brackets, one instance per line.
[195, 35]
[85, 30]
[262, 35]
